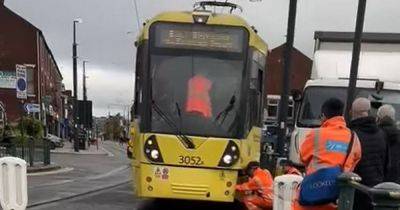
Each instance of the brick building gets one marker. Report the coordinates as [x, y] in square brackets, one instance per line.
[300, 72]
[23, 43]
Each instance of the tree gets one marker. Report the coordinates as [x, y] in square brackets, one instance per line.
[113, 128]
[29, 127]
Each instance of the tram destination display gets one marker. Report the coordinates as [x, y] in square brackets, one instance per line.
[200, 37]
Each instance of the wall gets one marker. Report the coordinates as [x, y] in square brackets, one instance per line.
[17, 46]
[300, 71]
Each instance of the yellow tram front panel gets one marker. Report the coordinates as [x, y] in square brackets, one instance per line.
[180, 176]
[185, 182]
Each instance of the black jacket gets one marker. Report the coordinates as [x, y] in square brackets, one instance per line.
[392, 136]
[371, 167]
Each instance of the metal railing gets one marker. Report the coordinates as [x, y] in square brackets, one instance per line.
[30, 151]
[384, 196]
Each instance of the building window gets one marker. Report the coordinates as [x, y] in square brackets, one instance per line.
[30, 81]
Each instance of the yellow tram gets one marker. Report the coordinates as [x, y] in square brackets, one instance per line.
[198, 105]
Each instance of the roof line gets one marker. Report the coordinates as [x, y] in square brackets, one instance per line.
[367, 37]
[295, 49]
[41, 34]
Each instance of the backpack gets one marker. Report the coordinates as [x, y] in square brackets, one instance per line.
[321, 186]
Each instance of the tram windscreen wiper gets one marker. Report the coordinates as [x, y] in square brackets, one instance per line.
[224, 113]
[183, 138]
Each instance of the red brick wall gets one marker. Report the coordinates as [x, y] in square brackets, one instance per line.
[49, 77]
[17, 46]
[300, 71]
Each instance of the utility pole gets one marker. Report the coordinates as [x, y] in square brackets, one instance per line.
[283, 105]
[356, 57]
[84, 80]
[84, 120]
[75, 81]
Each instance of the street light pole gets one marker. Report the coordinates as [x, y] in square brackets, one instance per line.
[75, 84]
[84, 80]
[283, 105]
[356, 57]
[84, 120]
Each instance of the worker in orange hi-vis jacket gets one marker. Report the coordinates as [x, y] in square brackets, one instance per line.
[257, 193]
[327, 146]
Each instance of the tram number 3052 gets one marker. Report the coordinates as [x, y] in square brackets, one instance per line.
[190, 160]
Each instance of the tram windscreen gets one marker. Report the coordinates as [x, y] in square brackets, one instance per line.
[314, 97]
[196, 91]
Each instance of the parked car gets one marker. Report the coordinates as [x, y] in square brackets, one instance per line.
[55, 141]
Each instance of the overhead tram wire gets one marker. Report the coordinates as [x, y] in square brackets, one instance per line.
[137, 15]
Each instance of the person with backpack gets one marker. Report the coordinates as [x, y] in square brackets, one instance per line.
[371, 167]
[386, 119]
[326, 153]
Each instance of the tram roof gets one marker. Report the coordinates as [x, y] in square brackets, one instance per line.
[214, 19]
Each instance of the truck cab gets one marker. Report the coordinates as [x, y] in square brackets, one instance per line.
[378, 78]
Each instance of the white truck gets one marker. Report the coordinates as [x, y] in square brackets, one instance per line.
[379, 64]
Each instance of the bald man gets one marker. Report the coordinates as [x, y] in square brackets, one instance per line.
[372, 165]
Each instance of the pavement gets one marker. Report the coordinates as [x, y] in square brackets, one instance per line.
[39, 167]
[85, 174]
[92, 150]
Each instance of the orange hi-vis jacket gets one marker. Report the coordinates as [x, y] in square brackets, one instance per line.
[198, 99]
[262, 185]
[327, 147]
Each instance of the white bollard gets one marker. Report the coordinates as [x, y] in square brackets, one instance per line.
[13, 184]
[285, 189]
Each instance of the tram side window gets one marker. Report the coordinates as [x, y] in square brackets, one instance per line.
[139, 81]
[256, 87]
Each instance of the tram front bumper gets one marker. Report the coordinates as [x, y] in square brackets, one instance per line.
[158, 181]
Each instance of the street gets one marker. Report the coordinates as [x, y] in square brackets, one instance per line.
[121, 198]
[81, 174]
[98, 182]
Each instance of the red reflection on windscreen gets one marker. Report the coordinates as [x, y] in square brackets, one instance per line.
[198, 100]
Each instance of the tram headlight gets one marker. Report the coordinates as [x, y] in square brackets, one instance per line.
[201, 17]
[154, 154]
[230, 155]
[152, 150]
[227, 159]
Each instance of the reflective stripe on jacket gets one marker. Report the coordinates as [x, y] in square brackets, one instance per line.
[327, 147]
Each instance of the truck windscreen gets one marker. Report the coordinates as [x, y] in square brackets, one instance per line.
[314, 97]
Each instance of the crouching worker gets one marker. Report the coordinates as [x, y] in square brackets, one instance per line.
[257, 193]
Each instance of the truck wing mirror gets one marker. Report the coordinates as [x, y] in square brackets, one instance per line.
[297, 95]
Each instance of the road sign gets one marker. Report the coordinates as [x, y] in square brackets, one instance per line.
[32, 108]
[13, 184]
[21, 81]
[7, 79]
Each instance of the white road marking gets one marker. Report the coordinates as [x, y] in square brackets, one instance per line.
[114, 171]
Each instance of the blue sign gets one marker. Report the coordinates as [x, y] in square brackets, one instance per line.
[32, 108]
[20, 71]
[21, 84]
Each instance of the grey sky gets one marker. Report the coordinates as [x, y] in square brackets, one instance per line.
[108, 32]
